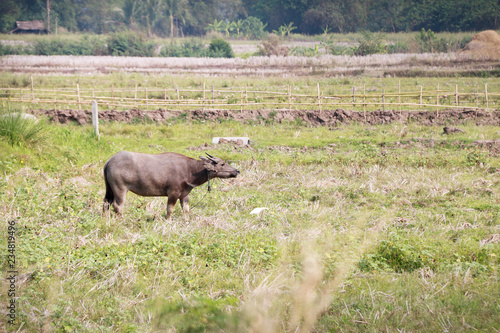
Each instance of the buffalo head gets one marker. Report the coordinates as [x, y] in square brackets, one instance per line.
[218, 168]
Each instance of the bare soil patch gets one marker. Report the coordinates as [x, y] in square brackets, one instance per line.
[330, 118]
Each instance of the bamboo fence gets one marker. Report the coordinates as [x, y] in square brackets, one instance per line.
[242, 98]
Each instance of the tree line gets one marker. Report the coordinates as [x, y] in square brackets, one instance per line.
[173, 18]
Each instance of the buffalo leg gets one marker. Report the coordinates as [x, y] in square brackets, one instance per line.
[170, 206]
[185, 206]
[118, 201]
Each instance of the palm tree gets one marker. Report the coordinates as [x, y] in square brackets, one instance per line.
[131, 10]
[176, 9]
[288, 28]
[237, 25]
[228, 27]
[217, 26]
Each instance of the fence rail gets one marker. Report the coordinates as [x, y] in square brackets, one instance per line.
[177, 98]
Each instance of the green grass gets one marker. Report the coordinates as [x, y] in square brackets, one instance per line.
[368, 228]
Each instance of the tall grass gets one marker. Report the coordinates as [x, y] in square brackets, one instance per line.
[21, 129]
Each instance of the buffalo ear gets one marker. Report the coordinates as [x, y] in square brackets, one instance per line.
[207, 164]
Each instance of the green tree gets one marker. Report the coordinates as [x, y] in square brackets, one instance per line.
[177, 10]
[253, 28]
[9, 11]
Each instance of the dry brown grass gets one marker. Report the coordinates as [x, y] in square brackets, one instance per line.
[485, 44]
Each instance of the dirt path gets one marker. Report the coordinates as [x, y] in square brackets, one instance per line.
[306, 117]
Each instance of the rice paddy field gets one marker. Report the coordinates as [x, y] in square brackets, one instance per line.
[363, 228]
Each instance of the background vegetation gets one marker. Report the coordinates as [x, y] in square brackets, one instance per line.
[244, 18]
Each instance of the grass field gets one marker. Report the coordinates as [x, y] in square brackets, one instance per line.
[367, 228]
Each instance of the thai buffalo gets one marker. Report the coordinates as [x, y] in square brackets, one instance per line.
[169, 174]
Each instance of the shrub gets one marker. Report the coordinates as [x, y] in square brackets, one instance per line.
[191, 48]
[370, 44]
[129, 44]
[20, 130]
[427, 40]
[219, 48]
[253, 28]
[86, 46]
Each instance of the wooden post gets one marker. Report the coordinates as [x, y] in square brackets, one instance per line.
[364, 101]
[420, 97]
[456, 94]
[289, 98]
[32, 90]
[178, 94]
[78, 95]
[486, 95]
[203, 102]
[353, 99]
[477, 98]
[246, 96]
[383, 99]
[399, 96]
[95, 118]
[319, 98]
[437, 102]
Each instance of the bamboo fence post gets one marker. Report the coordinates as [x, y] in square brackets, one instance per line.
[319, 98]
[203, 101]
[246, 96]
[213, 98]
[21, 96]
[383, 99]
[456, 94]
[78, 95]
[437, 102]
[486, 95]
[477, 98]
[32, 90]
[178, 95]
[399, 96]
[242, 101]
[364, 101]
[420, 97]
[289, 98]
[353, 99]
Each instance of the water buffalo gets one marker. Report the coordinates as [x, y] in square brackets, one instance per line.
[169, 174]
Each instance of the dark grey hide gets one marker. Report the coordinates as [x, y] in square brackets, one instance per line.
[169, 174]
